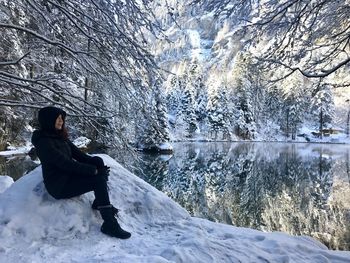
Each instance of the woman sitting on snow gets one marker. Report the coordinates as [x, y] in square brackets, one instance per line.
[68, 172]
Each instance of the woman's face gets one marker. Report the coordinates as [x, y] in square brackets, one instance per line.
[59, 122]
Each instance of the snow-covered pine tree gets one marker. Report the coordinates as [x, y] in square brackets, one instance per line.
[201, 95]
[213, 115]
[161, 113]
[270, 120]
[145, 131]
[173, 90]
[294, 102]
[218, 114]
[152, 130]
[273, 103]
[202, 101]
[186, 119]
[186, 116]
[322, 106]
[245, 126]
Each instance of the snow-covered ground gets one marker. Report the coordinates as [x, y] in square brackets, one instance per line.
[5, 182]
[36, 228]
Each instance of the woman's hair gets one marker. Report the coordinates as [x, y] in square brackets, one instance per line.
[63, 133]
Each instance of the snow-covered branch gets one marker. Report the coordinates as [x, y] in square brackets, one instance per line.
[88, 57]
[312, 37]
[39, 36]
[13, 62]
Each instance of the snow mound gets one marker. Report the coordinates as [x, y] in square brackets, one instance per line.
[34, 227]
[30, 213]
[5, 182]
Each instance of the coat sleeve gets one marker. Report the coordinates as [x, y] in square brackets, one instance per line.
[50, 155]
[85, 158]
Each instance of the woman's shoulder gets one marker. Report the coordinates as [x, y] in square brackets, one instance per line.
[42, 135]
[36, 136]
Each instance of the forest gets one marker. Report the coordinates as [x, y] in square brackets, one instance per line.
[144, 73]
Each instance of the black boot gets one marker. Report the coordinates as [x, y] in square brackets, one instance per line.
[95, 207]
[110, 225]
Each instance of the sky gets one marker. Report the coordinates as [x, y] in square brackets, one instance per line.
[34, 227]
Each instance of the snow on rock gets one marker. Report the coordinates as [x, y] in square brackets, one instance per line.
[34, 227]
[5, 182]
[16, 150]
[81, 142]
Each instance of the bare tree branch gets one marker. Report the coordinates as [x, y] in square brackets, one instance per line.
[312, 37]
[13, 62]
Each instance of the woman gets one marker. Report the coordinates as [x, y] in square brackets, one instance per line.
[68, 172]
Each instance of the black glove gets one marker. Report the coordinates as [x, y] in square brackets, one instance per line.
[103, 171]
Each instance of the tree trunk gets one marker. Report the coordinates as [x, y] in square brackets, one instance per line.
[287, 127]
[348, 124]
[294, 132]
[321, 123]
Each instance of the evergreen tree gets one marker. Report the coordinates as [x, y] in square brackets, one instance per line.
[187, 117]
[184, 95]
[218, 114]
[173, 90]
[201, 105]
[273, 103]
[152, 130]
[245, 121]
[322, 106]
[293, 105]
[145, 139]
[201, 95]
[161, 113]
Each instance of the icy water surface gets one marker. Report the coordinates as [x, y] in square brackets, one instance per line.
[301, 189]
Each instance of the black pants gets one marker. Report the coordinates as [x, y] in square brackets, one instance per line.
[78, 185]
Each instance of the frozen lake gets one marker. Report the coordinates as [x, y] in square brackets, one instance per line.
[294, 188]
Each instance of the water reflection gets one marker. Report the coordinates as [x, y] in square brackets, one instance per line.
[294, 188]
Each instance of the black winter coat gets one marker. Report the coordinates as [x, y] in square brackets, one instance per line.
[61, 159]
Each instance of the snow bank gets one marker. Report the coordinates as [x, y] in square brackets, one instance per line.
[5, 182]
[36, 228]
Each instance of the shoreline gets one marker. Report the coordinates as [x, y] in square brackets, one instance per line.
[24, 150]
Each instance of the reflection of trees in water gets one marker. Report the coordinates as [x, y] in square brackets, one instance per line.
[247, 185]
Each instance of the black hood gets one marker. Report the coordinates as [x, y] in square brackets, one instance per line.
[47, 118]
[36, 136]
